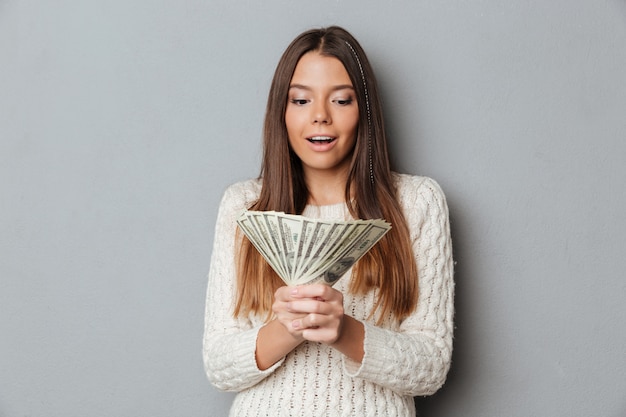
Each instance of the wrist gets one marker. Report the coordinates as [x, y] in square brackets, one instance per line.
[273, 343]
[351, 339]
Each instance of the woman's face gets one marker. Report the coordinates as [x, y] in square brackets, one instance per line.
[322, 115]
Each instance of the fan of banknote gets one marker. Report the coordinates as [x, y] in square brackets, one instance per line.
[303, 250]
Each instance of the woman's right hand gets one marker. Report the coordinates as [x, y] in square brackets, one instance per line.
[282, 299]
[278, 337]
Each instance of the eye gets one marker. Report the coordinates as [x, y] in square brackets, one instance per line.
[298, 101]
[344, 102]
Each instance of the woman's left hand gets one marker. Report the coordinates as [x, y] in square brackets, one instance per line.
[323, 306]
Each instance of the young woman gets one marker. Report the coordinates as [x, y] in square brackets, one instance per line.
[383, 333]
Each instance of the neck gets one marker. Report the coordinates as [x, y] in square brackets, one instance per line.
[326, 188]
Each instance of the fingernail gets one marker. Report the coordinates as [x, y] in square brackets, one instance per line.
[295, 324]
[294, 291]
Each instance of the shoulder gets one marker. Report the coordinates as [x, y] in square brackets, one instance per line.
[248, 190]
[414, 187]
[241, 195]
[420, 197]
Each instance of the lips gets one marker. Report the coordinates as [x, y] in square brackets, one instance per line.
[320, 139]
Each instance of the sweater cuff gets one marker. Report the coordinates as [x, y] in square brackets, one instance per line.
[373, 362]
[240, 370]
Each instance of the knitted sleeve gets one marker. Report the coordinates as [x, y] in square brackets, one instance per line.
[415, 359]
[229, 344]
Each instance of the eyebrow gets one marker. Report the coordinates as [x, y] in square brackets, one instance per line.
[334, 88]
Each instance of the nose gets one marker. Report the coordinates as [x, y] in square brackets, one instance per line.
[321, 114]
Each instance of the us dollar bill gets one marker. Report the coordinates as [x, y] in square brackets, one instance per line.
[304, 250]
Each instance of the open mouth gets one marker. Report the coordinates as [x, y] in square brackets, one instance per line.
[320, 139]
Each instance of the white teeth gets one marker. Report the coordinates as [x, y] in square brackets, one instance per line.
[321, 139]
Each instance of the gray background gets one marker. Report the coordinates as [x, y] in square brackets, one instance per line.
[122, 122]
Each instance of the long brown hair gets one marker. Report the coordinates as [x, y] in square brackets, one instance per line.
[389, 266]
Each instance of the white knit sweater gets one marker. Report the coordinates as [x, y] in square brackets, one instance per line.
[401, 360]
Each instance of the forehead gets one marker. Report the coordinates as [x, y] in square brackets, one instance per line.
[314, 69]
